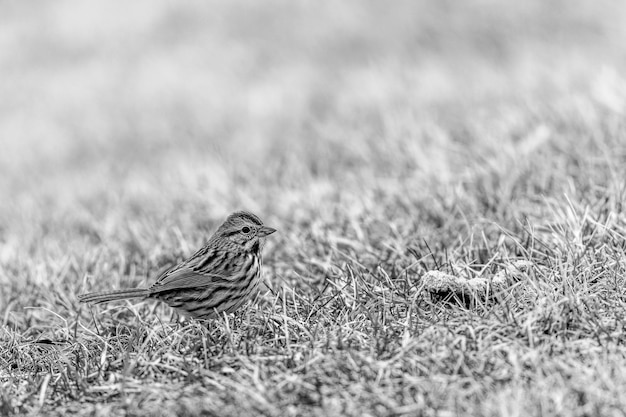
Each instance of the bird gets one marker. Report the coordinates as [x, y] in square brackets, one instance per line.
[219, 278]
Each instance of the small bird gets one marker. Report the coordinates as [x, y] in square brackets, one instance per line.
[218, 278]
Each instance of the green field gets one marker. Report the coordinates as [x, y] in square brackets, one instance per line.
[382, 139]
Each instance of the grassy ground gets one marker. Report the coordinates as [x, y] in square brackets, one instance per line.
[381, 141]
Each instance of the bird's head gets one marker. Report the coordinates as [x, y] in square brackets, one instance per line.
[246, 230]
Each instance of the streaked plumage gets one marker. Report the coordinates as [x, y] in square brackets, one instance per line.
[219, 277]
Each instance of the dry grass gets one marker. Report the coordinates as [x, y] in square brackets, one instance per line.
[381, 141]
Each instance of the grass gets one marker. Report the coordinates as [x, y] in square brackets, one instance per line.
[383, 142]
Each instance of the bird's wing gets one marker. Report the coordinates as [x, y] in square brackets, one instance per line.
[208, 266]
[185, 278]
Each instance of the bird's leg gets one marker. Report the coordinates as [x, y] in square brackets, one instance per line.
[181, 320]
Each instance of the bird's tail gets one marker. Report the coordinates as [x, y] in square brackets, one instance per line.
[106, 296]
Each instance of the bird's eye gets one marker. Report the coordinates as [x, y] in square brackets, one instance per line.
[245, 229]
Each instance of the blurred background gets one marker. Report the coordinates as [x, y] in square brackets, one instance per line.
[115, 111]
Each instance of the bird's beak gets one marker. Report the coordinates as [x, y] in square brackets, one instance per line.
[264, 231]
